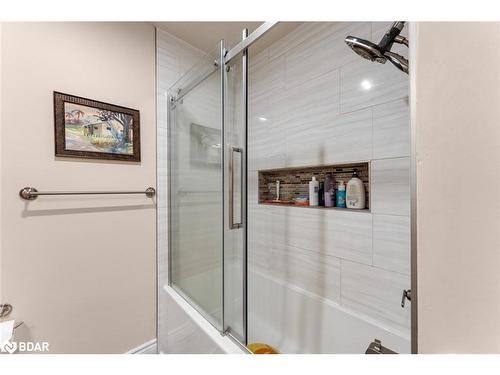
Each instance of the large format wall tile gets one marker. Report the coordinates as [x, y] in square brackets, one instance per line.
[265, 76]
[304, 33]
[365, 84]
[391, 130]
[266, 143]
[298, 322]
[313, 102]
[320, 55]
[266, 228]
[376, 293]
[390, 186]
[391, 243]
[253, 188]
[314, 272]
[345, 138]
[346, 235]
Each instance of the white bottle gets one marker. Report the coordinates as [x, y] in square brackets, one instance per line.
[313, 192]
[355, 193]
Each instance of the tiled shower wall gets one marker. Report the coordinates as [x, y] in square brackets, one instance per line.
[314, 102]
[307, 107]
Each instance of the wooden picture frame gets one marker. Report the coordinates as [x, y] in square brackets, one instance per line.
[90, 129]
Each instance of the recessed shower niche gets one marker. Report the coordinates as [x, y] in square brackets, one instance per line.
[294, 183]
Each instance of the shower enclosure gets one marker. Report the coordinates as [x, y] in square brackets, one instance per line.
[242, 264]
[208, 188]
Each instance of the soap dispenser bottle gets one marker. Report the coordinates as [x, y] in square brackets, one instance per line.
[355, 194]
[341, 195]
[313, 191]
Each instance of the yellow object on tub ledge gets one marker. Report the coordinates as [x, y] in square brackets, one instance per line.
[260, 348]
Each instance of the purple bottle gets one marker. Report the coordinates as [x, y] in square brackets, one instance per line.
[329, 191]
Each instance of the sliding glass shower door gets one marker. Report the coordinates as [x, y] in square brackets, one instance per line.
[207, 191]
[196, 215]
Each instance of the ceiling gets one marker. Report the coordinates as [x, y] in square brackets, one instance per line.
[206, 35]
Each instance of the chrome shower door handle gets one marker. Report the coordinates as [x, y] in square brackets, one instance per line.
[232, 151]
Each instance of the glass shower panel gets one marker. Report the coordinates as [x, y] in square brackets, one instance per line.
[196, 216]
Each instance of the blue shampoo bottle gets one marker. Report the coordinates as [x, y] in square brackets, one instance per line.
[341, 195]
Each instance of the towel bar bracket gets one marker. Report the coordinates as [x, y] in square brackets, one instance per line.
[27, 193]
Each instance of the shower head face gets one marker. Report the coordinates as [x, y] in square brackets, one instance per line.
[366, 49]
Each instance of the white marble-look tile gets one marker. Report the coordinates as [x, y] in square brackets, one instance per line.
[346, 235]
[391, 129]
[323, 52]
[296, 321]
[391, 243]
[345, 138]
[266, 141]
[259, 223]
[376, 293]
[266, 76]
[306, 106]
[253, 188]
[365, 84]
[314, 272]
[303, 33]
[390, 186]
[267, 227]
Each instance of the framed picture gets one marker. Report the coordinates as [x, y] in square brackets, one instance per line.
[86, 128]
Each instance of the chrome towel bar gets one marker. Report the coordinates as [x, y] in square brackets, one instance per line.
[30, 193]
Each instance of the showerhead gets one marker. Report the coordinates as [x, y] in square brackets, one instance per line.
[382, 52]
[365, 49]
[398, 61]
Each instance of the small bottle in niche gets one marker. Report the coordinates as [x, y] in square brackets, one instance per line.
[321, 194]
[341, 195]
[355, 193]
[313, 191]
[329, 191]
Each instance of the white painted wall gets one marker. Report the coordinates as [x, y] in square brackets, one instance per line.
[458, 182]
[79, 271]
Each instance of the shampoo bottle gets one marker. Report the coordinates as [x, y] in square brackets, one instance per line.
[355, 194]
[313, 191]
[341, 195]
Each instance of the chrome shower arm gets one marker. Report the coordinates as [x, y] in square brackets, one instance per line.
[401, 40]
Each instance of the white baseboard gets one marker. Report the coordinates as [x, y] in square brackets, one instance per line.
[146, 348]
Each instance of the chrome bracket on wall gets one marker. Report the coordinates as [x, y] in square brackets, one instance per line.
[5, 310]
[406, 296]
[376, 347]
